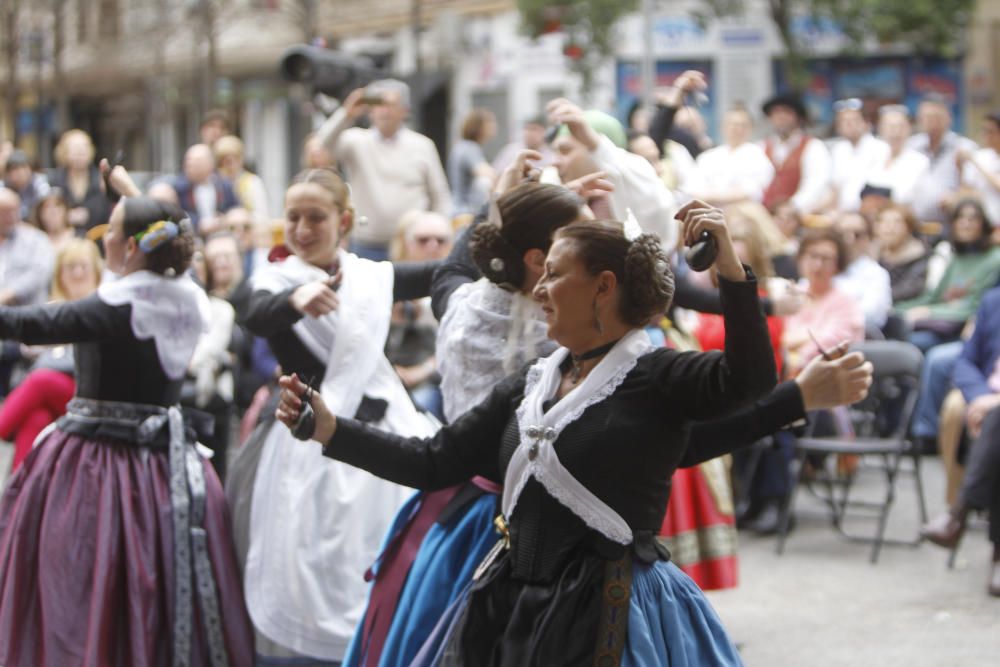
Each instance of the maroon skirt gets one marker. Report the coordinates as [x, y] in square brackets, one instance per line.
[87, 561]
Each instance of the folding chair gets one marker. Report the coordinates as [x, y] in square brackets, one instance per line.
[881, 423]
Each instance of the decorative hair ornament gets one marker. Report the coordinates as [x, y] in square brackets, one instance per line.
[661, 266]
[493, 218]
[632, 228]
[156, 235]
[497, 264]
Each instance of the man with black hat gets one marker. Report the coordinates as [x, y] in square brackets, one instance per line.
[21, 178]
[801, 162]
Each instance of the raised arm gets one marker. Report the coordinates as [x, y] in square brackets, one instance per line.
[467, 447]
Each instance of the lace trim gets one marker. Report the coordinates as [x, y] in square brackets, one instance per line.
[601, 518]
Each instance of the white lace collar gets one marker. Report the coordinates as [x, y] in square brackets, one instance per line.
[536, 457]
[172, 311]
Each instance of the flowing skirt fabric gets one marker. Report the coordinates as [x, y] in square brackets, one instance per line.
[86, 560]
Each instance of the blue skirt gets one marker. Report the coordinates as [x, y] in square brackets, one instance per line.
[440, 573]
[670, 622]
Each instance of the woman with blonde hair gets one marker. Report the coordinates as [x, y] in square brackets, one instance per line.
[42, 396]
[80, 180]
[325, 314]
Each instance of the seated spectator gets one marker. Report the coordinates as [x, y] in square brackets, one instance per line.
[939, 314]
[901, 252]
[164, 191]
[981, 168]
[853, 154]
[248, 232]
[977, 376]
[202, 193]
[41, 397]
[410, 347]
[210, 385]
[80, 181]
[26, 256]
[51, 215]
[903, 167]
[932, 197]
[249, 187]
[829, 316]
[789, 221]
[863, 280]
[22, 179]
[736, 170]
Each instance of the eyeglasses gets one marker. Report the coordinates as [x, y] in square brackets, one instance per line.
[849, 104]
[424, 240]
[821, 258]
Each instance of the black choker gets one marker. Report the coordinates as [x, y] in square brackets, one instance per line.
[578, 359]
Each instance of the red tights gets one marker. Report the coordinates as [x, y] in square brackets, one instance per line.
[34, 404]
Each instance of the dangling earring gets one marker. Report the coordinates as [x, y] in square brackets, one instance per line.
[597, 319]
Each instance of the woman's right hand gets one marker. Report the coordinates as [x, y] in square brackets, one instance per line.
[697, 217]
[519, 171]
[317, 298]
[290, 405]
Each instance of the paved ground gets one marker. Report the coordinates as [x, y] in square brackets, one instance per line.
[822, 604]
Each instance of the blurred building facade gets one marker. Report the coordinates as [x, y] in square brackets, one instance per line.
[138, 74]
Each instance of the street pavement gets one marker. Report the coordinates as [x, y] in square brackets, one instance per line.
[823, 604]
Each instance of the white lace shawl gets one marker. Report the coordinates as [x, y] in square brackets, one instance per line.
[486, 334]
[536, 457]
[172, 311]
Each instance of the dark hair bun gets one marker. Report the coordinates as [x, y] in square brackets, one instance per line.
[649, 281]
[172, 257]
[498, 260]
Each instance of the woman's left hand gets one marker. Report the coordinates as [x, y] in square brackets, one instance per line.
[697, 217]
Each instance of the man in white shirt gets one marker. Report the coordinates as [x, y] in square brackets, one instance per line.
[864, 279]
[736, 170]
[594, 141]
[801, 162]
[902, 168]
[935, 189]
[981, 169]
[391, 168]
[854, 154]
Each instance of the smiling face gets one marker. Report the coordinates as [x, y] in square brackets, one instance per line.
[568, 293]
[314, 223]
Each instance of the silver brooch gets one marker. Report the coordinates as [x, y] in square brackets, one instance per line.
[661, 266]
[497, 264]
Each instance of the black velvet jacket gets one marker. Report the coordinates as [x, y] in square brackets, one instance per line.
[111, 363]
[624, 449]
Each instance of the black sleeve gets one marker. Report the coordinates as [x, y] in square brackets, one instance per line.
[456, 270]
[267, 313]
[709, 385]
[704, 300]
[467, 447]
[82, 321]
[780, 408]
[412, 280]
[661, 123]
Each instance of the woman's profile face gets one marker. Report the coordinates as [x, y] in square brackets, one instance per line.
[566, 294]
[312, 224]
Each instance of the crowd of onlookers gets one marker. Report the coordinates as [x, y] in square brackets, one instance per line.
[885, 229]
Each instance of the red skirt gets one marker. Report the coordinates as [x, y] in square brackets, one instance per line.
[86, 560]
[700, 528]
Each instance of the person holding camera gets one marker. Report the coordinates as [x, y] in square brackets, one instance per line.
[391, 168]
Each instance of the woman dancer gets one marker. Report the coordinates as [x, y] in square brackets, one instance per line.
[575, 530]
[114, 534]
[310, 526]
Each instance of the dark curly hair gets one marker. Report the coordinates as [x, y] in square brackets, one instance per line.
[175, 254]
[641, 266]
[530, 213]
